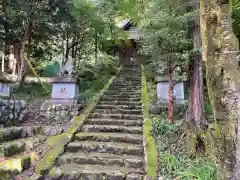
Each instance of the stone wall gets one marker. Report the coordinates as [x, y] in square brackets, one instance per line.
[12, 112]
[60, 113]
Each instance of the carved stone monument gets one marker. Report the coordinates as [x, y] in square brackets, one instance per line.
[64, 87]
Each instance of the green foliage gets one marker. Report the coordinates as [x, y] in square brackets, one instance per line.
[32, 92]
[161, 127]
[184, 168]
[88, 88]
[165, 36]
[208, 108]
[236, 17]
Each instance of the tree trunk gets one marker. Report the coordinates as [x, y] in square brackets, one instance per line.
[63, 50]
[220, 53]
[170, 94]
[67, 51]
[23, 67]
[17, 51]
[22, 59]
[96, 44]
[195, 113]
[23, 63]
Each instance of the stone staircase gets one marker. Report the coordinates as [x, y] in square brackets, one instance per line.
[110, 143]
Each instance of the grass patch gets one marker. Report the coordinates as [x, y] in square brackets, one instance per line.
[182, 167]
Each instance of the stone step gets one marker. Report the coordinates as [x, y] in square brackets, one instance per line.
[109, 137]
[131, 68]
[118, 111]
[124, 90]
[116, 116]
[111, 128]
[125, 95]
[125, 73]
[123, 87]
[115, 122]
[96, 172]
[130, 78]
[130, 75]
[138, 91]
[127, 81]
[107, 98]
[136, 94]
[123, 107]
[105, 147]
[103, 159]
[130, 71]
[127, 103]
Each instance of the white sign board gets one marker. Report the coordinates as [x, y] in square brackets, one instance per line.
[4, 90]
[64, 91]
[162, 91]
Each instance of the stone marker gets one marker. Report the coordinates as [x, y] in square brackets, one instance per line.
[162, 90]
[64, 90]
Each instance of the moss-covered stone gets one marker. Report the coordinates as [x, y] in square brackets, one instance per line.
[15, 165]
[150, 149]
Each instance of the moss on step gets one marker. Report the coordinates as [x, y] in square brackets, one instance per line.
[150, 145]
[57, 143]
[43, 166]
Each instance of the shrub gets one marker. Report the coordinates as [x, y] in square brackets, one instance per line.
[160, 127]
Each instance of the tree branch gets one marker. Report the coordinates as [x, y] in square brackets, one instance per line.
[178, 81]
